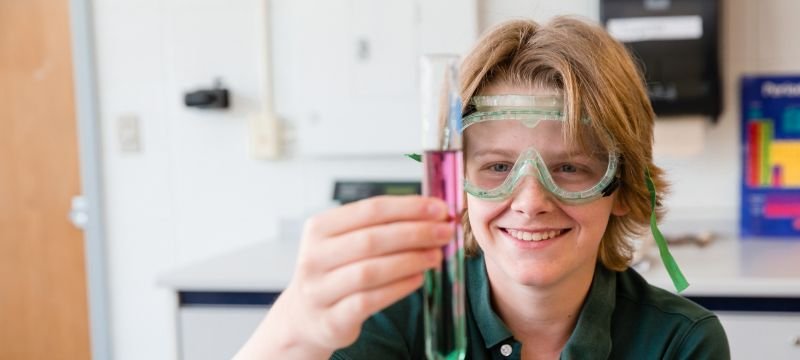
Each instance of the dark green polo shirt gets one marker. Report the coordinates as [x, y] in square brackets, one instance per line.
[622, 317]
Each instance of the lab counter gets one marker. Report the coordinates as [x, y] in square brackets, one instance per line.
[221, 300]
[753, 285]
[265, 267]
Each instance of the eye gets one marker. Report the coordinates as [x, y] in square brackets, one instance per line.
[567, 168]
[500, 167]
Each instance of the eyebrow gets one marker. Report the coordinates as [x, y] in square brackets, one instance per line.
[508, 153]
[486, 152]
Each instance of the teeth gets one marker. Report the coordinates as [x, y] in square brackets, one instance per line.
[534, 236]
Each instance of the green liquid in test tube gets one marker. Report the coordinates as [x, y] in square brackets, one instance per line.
[443, 289]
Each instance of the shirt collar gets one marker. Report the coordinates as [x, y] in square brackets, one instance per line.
[493, 330]
[591, 336]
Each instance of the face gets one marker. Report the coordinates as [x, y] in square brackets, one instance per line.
[531, 238]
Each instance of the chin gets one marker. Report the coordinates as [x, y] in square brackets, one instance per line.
[539, 275]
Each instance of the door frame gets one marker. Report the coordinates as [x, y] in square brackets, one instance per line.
[89, 145]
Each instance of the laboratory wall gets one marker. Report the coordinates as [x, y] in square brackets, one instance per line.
[190, 190]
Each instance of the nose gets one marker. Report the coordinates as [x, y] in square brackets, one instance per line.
[531, 197]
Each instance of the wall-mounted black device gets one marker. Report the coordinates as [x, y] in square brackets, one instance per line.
[216, 98]
[676, 42]
[348, 191]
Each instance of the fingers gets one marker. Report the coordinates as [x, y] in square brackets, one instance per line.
[362, 257]
[374, 211]
[370, 274]
[377, 241]
[360, 306]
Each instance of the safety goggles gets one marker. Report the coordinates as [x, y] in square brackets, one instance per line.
[510, 137]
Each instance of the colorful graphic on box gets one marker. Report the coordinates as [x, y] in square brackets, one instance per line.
[771, 156]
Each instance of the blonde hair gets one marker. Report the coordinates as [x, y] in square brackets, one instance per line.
[598, 79]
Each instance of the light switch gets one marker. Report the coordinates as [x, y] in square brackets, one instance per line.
[265, 137]
[128, 133]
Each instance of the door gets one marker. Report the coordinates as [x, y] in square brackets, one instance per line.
[43, 299]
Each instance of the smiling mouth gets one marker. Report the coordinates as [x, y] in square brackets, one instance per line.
[535, 235]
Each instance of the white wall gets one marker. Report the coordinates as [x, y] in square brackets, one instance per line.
[756, 39]
[192, 192]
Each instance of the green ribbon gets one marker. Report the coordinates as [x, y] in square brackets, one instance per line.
[413, 156]
[669, 262]
[666, 257]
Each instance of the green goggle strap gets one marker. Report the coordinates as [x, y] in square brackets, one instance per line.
[666, 257]
[674, 271]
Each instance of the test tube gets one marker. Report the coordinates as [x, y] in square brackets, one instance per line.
[443, 289]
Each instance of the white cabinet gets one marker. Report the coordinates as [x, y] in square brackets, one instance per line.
[758, 335]
[216, 332]
[346, 71]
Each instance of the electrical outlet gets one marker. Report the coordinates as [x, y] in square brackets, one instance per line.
[128, 133]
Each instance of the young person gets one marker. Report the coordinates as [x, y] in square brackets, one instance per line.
[558, 134]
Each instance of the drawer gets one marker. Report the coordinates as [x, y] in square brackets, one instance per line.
[762, 335]
[216, 332]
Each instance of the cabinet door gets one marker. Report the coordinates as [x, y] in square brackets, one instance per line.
[207, 332]
[346, 71]
[771, 336]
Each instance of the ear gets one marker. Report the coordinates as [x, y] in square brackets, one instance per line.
[618, 208]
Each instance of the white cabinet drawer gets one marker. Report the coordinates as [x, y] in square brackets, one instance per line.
[762, 335]
[216, 332]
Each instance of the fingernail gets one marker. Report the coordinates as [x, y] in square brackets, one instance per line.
[436, 209]
[443, 231]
